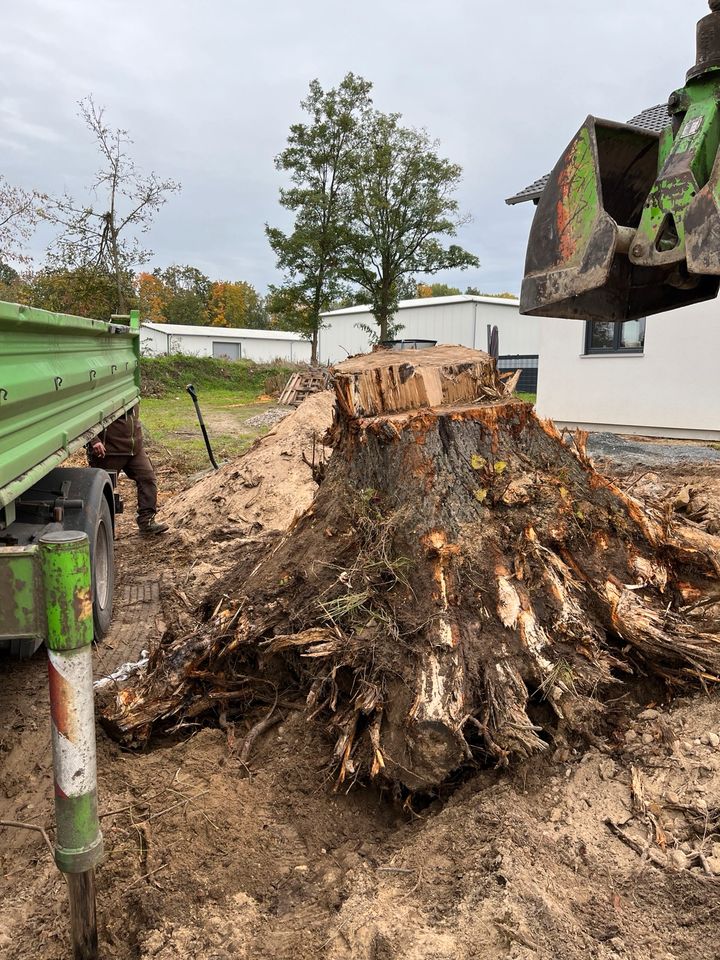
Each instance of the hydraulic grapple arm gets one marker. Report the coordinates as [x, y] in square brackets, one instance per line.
[629, 222]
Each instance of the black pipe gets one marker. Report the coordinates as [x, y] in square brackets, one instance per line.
[191, 390]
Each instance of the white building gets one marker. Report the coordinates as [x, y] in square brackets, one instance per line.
[231, 343]
[461, 320]
[657, 377]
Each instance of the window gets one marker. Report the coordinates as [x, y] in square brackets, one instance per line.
[226, 351]
[608, 336]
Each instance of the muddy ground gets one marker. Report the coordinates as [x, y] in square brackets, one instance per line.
[601, 852]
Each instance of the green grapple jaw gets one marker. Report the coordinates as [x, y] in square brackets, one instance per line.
[629, 222]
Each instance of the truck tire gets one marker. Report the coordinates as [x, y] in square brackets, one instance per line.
[95, 519]
[102, 562]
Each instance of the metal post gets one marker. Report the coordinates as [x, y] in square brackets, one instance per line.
[78, 845]
[191, 390]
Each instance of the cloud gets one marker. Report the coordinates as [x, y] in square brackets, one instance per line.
[208, 91]
[13, 120]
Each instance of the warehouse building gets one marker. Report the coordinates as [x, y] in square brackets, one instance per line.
[465, 320]
[229, 343]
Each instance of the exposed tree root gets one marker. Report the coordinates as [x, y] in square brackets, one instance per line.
[464, 582]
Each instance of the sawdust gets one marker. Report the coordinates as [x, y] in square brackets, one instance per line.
[265, 489]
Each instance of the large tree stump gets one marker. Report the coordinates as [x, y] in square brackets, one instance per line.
[463, 583]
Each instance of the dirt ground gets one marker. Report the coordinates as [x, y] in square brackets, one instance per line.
[605, 852]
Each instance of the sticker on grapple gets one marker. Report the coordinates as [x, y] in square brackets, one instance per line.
[691, 128]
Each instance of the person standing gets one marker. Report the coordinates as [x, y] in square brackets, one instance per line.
[120, 447]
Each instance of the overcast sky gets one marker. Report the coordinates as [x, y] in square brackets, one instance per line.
[208, 90]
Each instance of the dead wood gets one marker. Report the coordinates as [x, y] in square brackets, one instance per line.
[463, 583]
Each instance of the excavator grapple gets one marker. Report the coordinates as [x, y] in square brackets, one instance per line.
[629, 222]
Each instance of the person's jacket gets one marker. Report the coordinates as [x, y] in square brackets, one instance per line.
[123, 437]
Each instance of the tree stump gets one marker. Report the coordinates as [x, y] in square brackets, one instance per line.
[463, 583]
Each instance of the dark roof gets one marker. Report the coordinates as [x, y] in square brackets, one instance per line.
[654, 119]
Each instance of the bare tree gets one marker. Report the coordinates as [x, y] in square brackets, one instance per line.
[105, 233]
[18, 216]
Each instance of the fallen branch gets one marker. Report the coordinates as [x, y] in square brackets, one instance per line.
[644, 851]
[145, 876]
[17, 825]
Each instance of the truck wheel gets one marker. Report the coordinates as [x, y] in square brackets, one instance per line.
[103, 569]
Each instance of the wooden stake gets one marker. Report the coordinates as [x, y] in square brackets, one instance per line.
[83, 921]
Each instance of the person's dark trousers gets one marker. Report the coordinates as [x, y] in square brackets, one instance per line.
[139, 469]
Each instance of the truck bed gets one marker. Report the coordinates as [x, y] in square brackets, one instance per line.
[62, 378]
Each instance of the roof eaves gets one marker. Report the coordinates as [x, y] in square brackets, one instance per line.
[236, 333]
[425, 302]
[654, 119]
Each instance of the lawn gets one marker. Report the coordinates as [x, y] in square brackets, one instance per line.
[245, 380]
[228, 393]
[173, 434]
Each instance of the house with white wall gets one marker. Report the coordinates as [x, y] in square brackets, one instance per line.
[464, 320]
[230, 343]
[652, 377]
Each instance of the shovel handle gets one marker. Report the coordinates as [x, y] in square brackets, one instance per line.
[191, 390]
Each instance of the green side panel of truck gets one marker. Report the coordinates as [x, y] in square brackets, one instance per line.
[62, 378]
[21, 615]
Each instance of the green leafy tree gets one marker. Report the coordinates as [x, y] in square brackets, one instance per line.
[475, 292]
[13, 287]
[425, 290]
[236, 305]
[8, 274]
[401, 209]
[318, 159]
[84, 291]
[187, 294]
[104, 233]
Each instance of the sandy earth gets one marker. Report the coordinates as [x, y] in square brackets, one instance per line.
[209, 858]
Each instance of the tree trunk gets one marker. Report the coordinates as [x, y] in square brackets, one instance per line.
[118, 272]
[382, 320]
[463, 583]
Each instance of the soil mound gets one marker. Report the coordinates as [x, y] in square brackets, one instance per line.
[265, 489]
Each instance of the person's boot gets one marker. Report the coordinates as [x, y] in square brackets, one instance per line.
[151, 527]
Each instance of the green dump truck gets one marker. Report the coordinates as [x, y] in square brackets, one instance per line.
[62, 379]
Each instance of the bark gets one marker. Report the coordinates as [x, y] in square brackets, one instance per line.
[464, 584]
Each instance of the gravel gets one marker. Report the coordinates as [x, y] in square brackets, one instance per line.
[269, 418]
[612, 447]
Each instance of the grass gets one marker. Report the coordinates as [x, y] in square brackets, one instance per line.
[173, 433]
[228, 393]
[527, 397]
[245, 380]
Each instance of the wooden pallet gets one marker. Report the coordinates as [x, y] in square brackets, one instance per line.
[301, 385]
